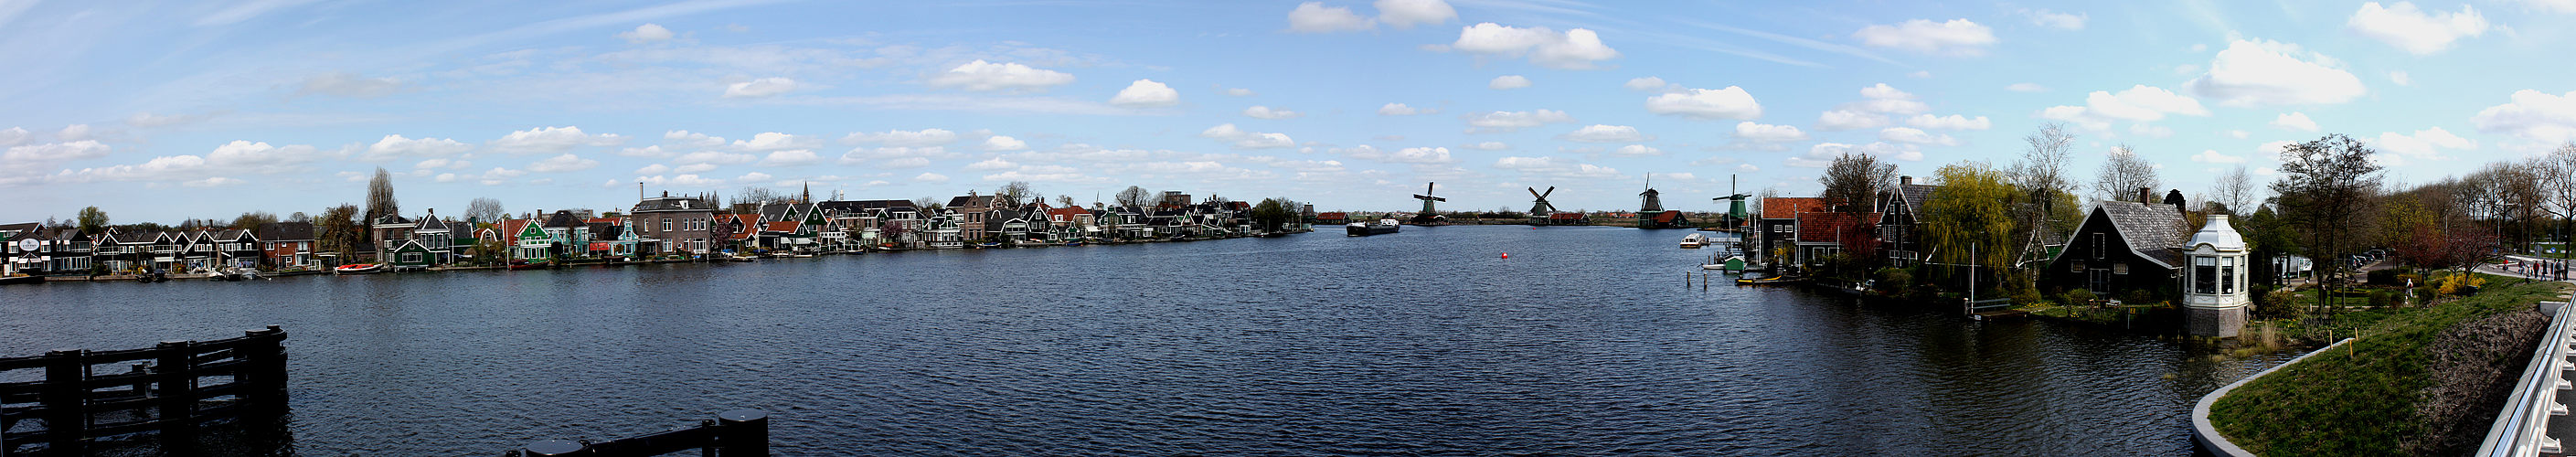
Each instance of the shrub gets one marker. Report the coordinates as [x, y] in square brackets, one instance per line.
[2080, 297]
[1894, 280]
[2140, 297]
[2380, 299]
[2028, 297]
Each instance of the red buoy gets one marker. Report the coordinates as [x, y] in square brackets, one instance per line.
[1507, 255]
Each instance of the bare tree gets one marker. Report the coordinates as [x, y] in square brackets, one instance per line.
[2324, 186]
[926, 204]
[1065, 201]
[1852, 183]
[1015, 193]
[2043, 163]
[380, 198]
[2235, 190]
[2124, 174]
[1135, 197]
[485, 209]
[2557, 172]
[252, 220]
[757, 195]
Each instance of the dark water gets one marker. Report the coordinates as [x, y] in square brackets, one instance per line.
[1424, 342]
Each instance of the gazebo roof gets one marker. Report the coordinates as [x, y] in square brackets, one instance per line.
[2217, 234]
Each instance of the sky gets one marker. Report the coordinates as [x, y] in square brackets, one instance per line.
[166, 111]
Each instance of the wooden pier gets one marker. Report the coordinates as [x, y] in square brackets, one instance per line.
[736, 433]
[165, 391]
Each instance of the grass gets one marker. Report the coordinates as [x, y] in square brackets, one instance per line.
[2362, 398]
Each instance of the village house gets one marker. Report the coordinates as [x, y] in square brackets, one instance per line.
[1900, 214]
[2122, 248]
[677, 225]
[976, 222]
[1777, 230]
[1824, 234]
[287, 245]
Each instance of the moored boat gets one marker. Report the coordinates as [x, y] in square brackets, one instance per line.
[1694, 241]
[1767, 281]
[530, 265]
[21, 279]
[359, 268]
[1381, 227]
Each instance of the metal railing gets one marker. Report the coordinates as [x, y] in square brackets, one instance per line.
[2521, 430]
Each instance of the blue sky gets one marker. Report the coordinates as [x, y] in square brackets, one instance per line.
[158, 112]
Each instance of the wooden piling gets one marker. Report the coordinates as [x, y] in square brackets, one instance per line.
[743, 433]
[66, 402]
[178, 400]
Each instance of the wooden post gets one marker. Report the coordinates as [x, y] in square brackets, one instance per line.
[178, 397]
[744, 433]
[262, 375]
[66, 402]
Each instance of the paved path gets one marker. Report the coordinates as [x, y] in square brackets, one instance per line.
[2523, 267]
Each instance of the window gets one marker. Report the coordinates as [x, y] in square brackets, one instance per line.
[2075, 266]
[666, 224]
[2120, 268]
[2204, 275]
[411, 257]
[2227, 275]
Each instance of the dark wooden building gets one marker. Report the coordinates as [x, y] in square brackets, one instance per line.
[2120, 248]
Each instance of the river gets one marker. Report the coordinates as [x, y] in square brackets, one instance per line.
[1428, 341]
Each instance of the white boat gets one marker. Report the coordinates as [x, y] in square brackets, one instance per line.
[1694, 241]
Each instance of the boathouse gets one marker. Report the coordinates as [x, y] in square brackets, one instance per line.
[2121, 248]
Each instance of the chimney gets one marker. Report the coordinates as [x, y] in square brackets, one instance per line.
[1905, 180]
[2146, 194]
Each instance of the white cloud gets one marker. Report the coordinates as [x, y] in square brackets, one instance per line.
[1747, 168]
[980, 75]
[1576, 49]
[442, 163]
[2150, 130]
[1505, 121]
[2424, 144]
[2294, 121]
[1843, 119]
[2250, 73]
[393, 146]
[758, 88]
[212, 182]
[1407, 13]
[1248, 140]
[1004, 143]
[906, 138]
[1398, 109]
[774, 141]
[74, 132]
[993, 164]
[1955, 37]
[53, 152]
[247, 154]
[2212, 156]
[2026, 87]
[1239, 92]
[1729, 103]
[685, 180]
[653, 169]
[1146, 93]
[2138, 103]
[2055, 20]
[1824, 153]
[562, 163]
[692, 139]
[695, 168]
[1911, 135]
[2239, 134]
[1598, 133]
[552, 139]
[753, 177]
[1761, 133]
[906, 162]
[2399, 77]
[646, 33]
[1314, 17]
[1418, 155]
[1650, 84]
[713, 157]
[1489, 146]
[1950, 122]
[350, 85]
[1264, 112]
[147, 119]
[1636, 150]
[930, 177]
[647, 151]
[2533, 115]
[1557, 168]
[2407, 28]
[1508, 82]
[792, 157]
[18, 135]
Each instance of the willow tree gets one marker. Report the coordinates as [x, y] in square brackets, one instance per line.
[1968, 221]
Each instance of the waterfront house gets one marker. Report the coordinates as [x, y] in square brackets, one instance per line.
[944, 230]
[529, 241]
[879, 222]
[2121, 248]
[679, 225]
[742, 231]
[236, 248]
[974, 213]
[164, 248]
[67, 252]
[437, 239]
[388, 229]
[23, 247]
[287, 245]
[1777, 232]
[408, 254]
[1901, 210]
[571, 233]
[1671, 218]
[1823, 234]
[1332, 218]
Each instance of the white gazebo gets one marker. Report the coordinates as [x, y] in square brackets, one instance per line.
[2214, 273]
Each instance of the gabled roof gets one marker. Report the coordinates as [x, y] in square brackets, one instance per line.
[234, 235]
[1820, 227]
[1790, 207]
[390, 219]
[780, 226]
[748, 221]
[1667, 216]
[1910, 197]
[970, 201]
[2154, 232]
[673, 204]
[563, 219]
[430, 223]
[22, 227]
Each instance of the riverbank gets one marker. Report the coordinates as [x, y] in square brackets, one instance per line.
[2417, 381]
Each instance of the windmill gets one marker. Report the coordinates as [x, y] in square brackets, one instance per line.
[1652, 200]
[1735, 204]
[1429, 214]
[1542, 208]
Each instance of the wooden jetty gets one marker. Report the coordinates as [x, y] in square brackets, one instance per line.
[165, 392]
[736, 433]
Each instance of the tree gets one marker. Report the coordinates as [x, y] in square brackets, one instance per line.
[2235, 188]
[1015, 193]
[485, 209]
[252, 220]
[2558, 178]
[2324, 185]
[1273, 213]
[1065, 201]
[299, 216]
[756, 195]
[339, 231]
[91, 220]
[1135, 197]
[2123, 174]
[1853, 182]
[2043, 162]
[1966, 220]
[926, 205]
[380, 199]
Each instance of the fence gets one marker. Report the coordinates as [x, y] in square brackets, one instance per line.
[736, 433]
[165, 390]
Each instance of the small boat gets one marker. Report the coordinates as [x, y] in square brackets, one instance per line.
[989, 245]
[527, 265]
[360, 268]
[21, 279]
[1768, 281]
[1731, 264]
[1073, 243]
[1381, 227]
[1694, 241]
